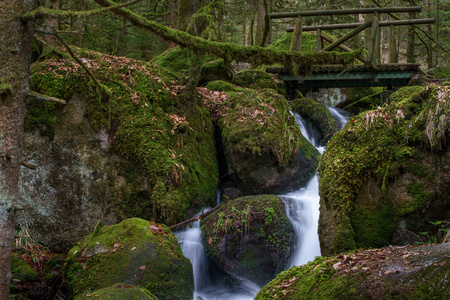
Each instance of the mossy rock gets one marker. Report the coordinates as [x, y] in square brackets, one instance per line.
[375, 167]
[21, 270]
[220, 85]
[255, 79]
[318, 115]
[344, 240]
[264, 148]
[134, 252]
[249, 237]
[119, 292]
[214, 70]
[144, 152]
[393, 273]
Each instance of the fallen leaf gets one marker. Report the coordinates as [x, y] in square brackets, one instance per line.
[142, 268]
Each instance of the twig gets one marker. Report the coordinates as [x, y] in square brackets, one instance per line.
[46, 98]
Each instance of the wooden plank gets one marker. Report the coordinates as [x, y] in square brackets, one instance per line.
[348, 36]
[296, 43]
[319, 42]
[354, 25]
[348, 11]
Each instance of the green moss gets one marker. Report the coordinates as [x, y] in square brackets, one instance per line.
[373, 226]
[380, 142]
[284, 43]
[21, 270]
[130, 252]
[344, 239]
[148, 123]
[220, 85]
[317, 114]
[420, 197]
[255, 79]
[5, 88]
[118, 292]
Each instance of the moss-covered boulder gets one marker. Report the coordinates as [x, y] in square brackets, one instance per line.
[318, 115]
[389, 273]
[134, 252]
[264, 148]
[143, 152]
[255, 79]
[249, 237]
[119, 292]
[20, 270]
[388, 171]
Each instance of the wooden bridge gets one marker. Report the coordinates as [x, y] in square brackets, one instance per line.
[370, 72]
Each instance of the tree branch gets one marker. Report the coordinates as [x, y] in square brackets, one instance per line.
[46, 98]
[254, 55]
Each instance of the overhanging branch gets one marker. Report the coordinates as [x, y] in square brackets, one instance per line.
[254, 55]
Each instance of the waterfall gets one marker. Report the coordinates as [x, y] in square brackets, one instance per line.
[302, 208]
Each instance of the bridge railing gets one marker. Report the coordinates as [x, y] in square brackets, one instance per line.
[374, 23]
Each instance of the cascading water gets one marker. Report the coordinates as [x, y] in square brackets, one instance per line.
[302, 208]
[207, 285]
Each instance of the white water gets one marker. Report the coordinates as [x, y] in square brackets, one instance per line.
[302, 208]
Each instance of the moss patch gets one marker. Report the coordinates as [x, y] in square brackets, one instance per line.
[21, 270]
[135, 252]
[119, 292]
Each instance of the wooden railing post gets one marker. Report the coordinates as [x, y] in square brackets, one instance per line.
[373, 37]
[296, 42]
[319, 41]
[392, 45]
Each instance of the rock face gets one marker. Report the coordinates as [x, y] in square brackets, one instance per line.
[140, 153]
[134, 252]
[264, 148]
[419, 272]
[388, 172]
[249, 237]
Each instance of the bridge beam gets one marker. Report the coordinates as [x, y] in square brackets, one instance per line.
[348, 36]
[348, 11]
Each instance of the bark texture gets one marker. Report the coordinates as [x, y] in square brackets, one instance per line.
[15, 53]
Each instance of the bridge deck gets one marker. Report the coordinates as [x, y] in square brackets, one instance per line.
[331, 76]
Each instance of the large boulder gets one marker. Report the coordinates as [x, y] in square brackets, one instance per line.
[249, 237]
[389, 273]
[134, 252]
[264, 148]
[388, 172]
[141, 152]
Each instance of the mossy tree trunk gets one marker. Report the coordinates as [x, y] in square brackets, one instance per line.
[15, 54]
[172, 17]
[260, 39]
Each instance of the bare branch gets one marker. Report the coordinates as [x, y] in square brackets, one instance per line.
[46, 98]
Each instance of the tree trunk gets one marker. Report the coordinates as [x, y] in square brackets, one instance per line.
[50, 24]
[260, 21]
[15, 54]
[411, 42]
[172, 17]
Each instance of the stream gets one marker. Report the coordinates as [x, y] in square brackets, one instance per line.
[302, 208]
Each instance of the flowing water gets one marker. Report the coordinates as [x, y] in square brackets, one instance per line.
[302, 208]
